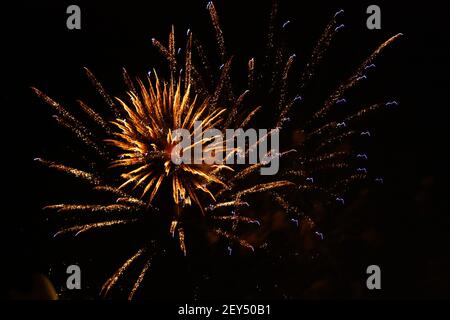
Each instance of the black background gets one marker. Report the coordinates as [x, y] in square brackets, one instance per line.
[407, 214]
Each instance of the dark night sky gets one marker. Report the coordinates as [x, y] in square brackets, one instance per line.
[408, 214]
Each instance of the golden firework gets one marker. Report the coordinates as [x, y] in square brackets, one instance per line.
[146, 141]
[137, 143]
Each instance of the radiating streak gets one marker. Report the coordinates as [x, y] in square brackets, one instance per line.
[249, 117]
[223, 77]
[327, 156]
[233, 112]
[86, 176]
[188, 63]
[285, 204]
[285, 111]
[246, 172]
[128, 82]
[233, 203]
[204, 60]
[166, 53]
[326, 128]
[182, 240]
[262, 187]
[314, 188]
[111, 282]
[342, 184]
[363, 112]
[251, 73]
[235, 218]
[277, 66]
[284, 81]
[138, 282]
[67, 120]
[86, 227]
[296, 173]
[112, 190]
[318, 53]
[106, 97]
[266, 136]
[173, 227]
[95, 116]
[58, 108]
[250, 169]
[353, 79]
[218, 30]
[91, 207]
[332, 165]
[81, 136]
[334, 139]
[234, 238]
[198, 83]
[271, 31]
[172, 43]
[130, 200]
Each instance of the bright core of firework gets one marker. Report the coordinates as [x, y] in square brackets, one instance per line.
[145, 141]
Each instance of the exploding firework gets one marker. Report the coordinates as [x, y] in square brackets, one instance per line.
[133, 151]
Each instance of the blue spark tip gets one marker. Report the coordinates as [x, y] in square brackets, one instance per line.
[362, 156]
[319, 234]
[338, 13]
[363, 77]
[391, 103]
[379, 180]
[339, 27]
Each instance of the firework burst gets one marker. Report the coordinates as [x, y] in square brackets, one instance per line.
[146, 141]
[133, 151]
